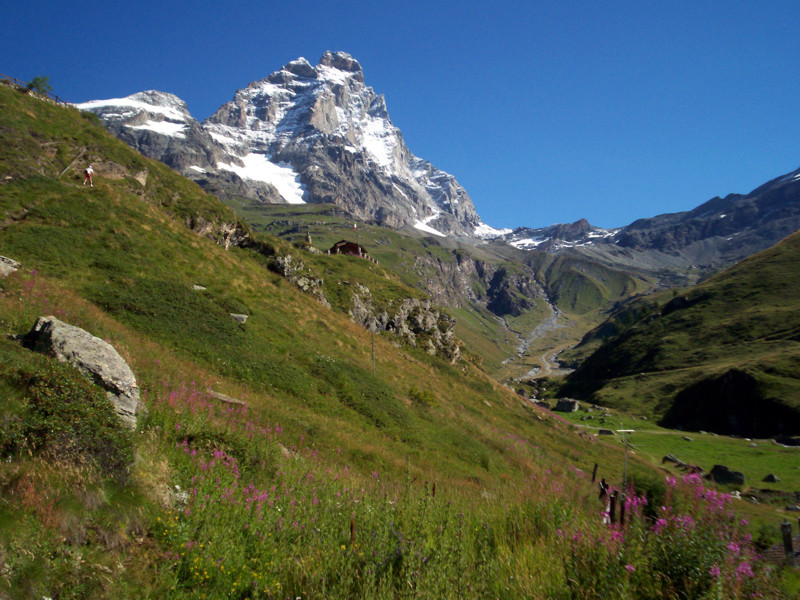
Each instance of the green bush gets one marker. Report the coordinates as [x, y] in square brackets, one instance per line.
[422, 398]
[65, 417]
[40, 85]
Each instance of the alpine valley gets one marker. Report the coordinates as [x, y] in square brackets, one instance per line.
[309, 141]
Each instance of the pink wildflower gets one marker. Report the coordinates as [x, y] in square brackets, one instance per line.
[744, 569]
[660, 524]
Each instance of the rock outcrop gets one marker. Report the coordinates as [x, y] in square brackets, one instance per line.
[93, 357]
[294, 269]
[503, 290]
[414, 321]
[567, 405]
[724, 475]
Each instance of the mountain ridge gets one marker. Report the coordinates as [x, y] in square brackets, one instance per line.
[317, 133]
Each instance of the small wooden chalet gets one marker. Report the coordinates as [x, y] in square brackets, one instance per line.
[351, 249]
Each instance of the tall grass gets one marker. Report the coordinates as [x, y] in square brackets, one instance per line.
[256, 516]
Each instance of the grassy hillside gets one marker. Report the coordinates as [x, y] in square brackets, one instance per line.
[722, 356]
[581, 290]
[338, 477]
[580, 287]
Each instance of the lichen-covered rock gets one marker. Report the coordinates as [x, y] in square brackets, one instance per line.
[292, 268]
[95, 358]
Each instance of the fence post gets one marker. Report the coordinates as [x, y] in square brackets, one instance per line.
[613, 507]
[622, 510]
[786, 530]
[594, 472]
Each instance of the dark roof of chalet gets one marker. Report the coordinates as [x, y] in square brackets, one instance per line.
[343, 244]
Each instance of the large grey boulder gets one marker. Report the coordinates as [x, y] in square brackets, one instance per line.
[96, 359]
[567, 405]
[722, 474]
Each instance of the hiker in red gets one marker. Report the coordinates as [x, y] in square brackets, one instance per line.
[87, 175]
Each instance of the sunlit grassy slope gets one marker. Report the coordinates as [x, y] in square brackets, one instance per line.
[123, 248]
[581, 290]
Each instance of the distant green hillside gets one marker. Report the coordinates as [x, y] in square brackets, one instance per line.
[722, 356]
[580, 286]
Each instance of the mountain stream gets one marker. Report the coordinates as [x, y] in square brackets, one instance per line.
[548, 359]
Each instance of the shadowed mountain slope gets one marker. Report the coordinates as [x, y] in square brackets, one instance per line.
[722, 356]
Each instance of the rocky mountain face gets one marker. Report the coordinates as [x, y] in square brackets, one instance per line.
[304, 134]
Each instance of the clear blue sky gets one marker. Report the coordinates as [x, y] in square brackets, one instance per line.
[545, 111]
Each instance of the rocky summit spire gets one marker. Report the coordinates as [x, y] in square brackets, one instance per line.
[343, 62]
[300, 67]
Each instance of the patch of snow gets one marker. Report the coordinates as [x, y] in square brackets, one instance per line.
[257, 167]
[379, 141]
[487, 232]
[269, 89]
[428, 229]
[222, 139]
[136, 106]
[198, 169]
[722, 216]
[423, 225]
[528, 243]
[332, 75]
[163, 127]
[793, 176]
[402, 193]
[602, 233]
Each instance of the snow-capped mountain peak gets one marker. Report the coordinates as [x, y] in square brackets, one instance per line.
[313, 133]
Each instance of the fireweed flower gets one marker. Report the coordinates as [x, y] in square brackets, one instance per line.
[660, 524]
[744, 570]
[714, 571]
